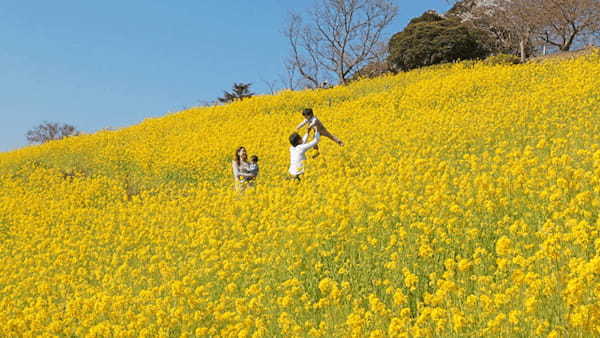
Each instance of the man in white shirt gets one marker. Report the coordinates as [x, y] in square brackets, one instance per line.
[298, 150]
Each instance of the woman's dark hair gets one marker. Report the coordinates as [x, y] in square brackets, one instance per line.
[236, 157]
[295, 139]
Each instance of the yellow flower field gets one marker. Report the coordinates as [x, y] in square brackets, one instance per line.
[466, 202]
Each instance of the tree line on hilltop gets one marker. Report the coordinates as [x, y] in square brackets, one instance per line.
[338, 41]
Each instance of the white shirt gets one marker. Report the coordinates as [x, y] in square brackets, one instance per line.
[297, 154]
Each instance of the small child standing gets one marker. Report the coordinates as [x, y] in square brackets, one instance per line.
[313, 123]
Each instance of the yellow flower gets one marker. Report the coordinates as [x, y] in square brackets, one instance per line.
[503, 246]
[464, 265]
[464, 203]
[399, 298]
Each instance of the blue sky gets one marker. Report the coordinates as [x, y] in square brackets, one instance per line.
[97, 64]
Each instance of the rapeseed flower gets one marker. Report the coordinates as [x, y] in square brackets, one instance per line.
[464, 204]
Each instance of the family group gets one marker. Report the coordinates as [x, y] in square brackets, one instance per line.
[246, 170]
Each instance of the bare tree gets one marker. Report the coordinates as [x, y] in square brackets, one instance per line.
[559, 23]
[480, 14]
[271, 84]
[207, 103]
[337, 38]
[290, 77]
[49, 131]
[513, 24]
[519, 17]
[303, 56]
[562, 22]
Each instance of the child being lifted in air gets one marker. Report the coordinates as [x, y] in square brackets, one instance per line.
[313, 123]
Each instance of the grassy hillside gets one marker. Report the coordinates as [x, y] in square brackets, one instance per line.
[465, 203]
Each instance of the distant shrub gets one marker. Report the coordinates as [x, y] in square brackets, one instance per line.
[240, 91]
[433, 39]
[373, 69]
[49, 131]
[502, 59]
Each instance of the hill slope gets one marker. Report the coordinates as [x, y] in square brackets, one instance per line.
[465, 203]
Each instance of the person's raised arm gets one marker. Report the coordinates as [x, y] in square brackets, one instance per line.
[312, 143]
[304, 138]
[301, 124]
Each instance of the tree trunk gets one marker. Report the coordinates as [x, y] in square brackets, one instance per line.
[567, 45]
[522, 50]
[341, 77]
